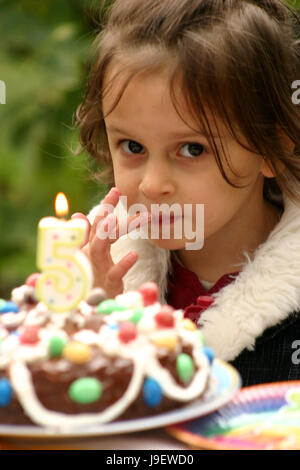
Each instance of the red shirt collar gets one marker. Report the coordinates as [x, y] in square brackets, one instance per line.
[184, 288]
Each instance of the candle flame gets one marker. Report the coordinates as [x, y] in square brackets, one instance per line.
[61, 205]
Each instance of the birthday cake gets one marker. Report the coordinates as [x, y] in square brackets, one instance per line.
[106, 360]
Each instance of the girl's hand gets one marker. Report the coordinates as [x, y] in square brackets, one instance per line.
[108, 275]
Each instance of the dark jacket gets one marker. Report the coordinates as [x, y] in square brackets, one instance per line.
[276, 356]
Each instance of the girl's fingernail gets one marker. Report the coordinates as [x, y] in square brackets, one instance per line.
[114, 190]
[144, 218]
[131, 256]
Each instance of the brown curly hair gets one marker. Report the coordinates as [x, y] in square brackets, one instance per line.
[237, 58]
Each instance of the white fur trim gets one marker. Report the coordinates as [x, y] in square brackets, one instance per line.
[265, 292]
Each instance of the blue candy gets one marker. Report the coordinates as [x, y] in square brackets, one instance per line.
[9, 307]
[15, 333]
[209, 353]
[5, 392]
[152, 392]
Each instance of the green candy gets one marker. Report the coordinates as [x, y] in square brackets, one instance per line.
[185, 367]
[56, 346]
[85, 390]
[109, 306]
[137, 315]
[2, 303]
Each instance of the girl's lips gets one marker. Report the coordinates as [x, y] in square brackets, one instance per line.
[168, 219]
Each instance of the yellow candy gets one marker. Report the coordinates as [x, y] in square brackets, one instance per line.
[78, 353]
[168, 341]
[188, 325]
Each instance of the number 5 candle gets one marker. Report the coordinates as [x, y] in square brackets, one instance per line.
[66, 272]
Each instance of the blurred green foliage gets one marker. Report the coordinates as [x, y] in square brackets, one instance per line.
[43, 56]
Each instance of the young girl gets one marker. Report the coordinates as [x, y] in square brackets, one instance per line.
[194, 102]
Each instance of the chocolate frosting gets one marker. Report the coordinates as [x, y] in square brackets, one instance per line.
[53, 377]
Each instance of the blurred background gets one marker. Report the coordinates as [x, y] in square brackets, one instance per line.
[43, 62]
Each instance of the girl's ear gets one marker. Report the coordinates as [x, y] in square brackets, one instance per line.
[266, 168]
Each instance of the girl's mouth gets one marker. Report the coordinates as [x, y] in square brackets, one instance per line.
[166, 219]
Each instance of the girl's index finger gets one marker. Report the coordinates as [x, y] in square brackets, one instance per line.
[113, 193]
[111, 198]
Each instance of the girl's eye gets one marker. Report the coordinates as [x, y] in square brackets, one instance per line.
[133, 146]
[193, 150]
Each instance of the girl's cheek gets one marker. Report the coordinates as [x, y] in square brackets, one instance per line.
[128, 187]
[127, 178]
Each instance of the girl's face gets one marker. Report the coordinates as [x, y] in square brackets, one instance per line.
[158, 159]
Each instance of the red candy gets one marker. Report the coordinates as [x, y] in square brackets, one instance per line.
[127, 332]
[30, 335]
[32, 279]
[165, 318]
[149, 291]
[193, 312]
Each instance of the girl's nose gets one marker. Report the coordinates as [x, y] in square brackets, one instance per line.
[156, 182]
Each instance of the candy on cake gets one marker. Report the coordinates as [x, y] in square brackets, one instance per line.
[107, 360]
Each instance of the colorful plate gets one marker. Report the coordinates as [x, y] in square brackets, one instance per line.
[227, 382]
[264, 417]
